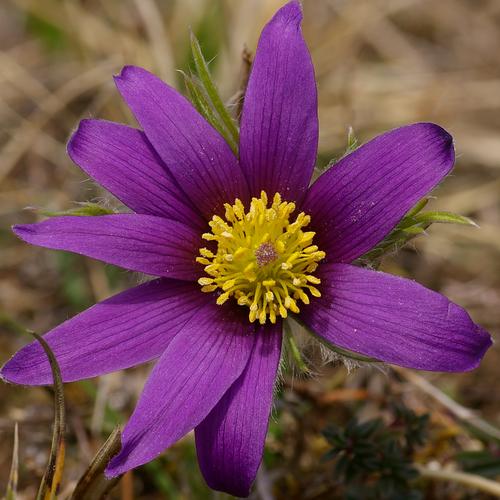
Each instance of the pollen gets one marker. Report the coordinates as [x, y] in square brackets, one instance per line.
[263, 258]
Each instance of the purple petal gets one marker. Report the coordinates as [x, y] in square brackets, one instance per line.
[230, 441]
[195, 153]
[125, 330]
[394, 320]
[279, 125]
[194, 372]
[143, 243]
[122, 160]
[357, 202]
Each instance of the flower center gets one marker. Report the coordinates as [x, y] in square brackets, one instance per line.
[263, 259]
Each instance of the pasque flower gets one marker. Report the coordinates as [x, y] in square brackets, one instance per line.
[237, 245]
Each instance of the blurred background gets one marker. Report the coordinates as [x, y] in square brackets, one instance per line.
[379, 64]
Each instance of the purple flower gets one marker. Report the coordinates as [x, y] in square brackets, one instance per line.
[237, 245]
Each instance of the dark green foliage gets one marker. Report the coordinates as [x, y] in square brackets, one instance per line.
[412, 426]
[374, 461]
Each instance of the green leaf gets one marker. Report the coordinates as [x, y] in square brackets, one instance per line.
[51, 480]
[201, 102]
[211, 90]
[417, 208]
[293, 349]
[352, 145]
[443, 218]
[352, 141]
[93, 485]
[414, 223]
[198, 99]
[84, 209]
[11, 493]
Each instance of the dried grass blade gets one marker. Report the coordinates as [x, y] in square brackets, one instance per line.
[14, 468]
[51, 480]
[93, 485]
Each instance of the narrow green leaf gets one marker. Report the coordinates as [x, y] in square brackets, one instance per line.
[415, 230]
[443, 218]
[14, 468]
[352, 145]
[211, 90]
[199, 101]
[392, 243]
[294, 350]
[417, 208]
[51, 480]
[414, 223]
[204, 107]
[93, 485]
[84, 209]
[352, 141]
[406, 223]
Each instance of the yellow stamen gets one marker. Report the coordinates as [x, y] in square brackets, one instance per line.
[263, 259]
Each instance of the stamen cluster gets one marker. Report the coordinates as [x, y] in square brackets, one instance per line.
[262, 259]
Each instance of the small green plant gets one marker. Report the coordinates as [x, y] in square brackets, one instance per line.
[375, 461]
